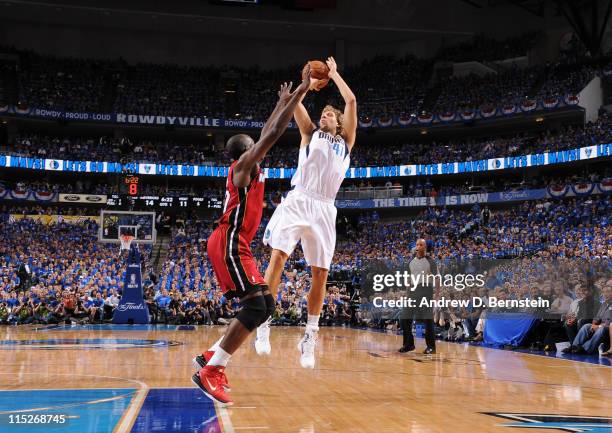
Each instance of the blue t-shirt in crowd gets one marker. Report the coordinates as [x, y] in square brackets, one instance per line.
[163, 301]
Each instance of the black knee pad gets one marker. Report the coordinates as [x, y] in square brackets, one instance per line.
[253, 312]
[270, 306]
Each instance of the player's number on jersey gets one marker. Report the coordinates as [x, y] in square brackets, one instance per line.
[226, 201]
[338, 149]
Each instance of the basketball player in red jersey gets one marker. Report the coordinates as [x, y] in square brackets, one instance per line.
[228, 246]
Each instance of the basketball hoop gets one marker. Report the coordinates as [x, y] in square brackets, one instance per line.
[126, 241]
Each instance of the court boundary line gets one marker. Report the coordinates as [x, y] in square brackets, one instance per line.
[60, 389]
[224, 419]
[69, 405]
[129, 416]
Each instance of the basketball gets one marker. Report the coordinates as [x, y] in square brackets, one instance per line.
[318, 71]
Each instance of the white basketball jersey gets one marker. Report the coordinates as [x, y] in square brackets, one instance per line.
[322, 165]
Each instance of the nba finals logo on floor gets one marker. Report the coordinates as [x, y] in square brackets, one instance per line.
[568, 423]
[85, 344]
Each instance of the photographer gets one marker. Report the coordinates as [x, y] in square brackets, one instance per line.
[80, 310]
[343, 314]
[39, 311]
[56, 312]
[4, 313]
[23, 313]
[192, 316]
[177, 311]
[69, 302]
[204, 308]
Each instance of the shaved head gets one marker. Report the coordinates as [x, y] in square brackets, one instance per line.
[238, 144]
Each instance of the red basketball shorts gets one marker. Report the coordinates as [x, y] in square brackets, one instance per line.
[232, 261]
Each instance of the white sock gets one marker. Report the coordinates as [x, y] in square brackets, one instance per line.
[221, 358]
[215, 346]
[312, 325]
[313, 320]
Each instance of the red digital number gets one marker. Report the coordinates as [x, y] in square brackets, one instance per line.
[133, 189]
[132, 183]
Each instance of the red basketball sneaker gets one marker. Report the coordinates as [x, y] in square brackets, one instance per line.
[201, 360]
[210, 380]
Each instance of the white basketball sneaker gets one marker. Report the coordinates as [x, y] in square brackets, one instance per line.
[262, 341]
[306, 346]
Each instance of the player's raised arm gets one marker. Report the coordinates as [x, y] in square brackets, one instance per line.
[275, 127]
[305, 124]
[349, 122]
[302, 118]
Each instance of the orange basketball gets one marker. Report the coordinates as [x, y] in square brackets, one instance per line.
[319, 71]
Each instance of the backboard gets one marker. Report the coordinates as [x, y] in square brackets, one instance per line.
[114, 223]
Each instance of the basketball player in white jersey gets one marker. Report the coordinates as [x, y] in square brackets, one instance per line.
[308, 213]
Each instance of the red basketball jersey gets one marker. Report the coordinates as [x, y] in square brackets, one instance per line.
[244, 206]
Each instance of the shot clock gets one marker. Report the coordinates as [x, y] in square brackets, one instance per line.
[131, 183]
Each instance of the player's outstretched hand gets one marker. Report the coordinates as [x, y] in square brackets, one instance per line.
[333, 67]
[306, 80]
[285, 91]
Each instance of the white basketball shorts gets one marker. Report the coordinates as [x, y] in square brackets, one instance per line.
[306, 218]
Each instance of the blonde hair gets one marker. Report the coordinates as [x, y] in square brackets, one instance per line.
[339, 117]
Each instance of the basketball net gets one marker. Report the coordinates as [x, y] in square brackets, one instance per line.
[126, 241]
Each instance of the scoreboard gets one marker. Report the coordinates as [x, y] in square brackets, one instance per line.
[161, 202]
[129, 196]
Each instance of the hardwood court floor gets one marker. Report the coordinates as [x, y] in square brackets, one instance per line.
[360, 384]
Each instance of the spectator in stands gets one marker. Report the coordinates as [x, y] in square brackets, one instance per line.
[110, 303]
[561, 302]
[591, 335]
[75, 148]
[72, 279]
